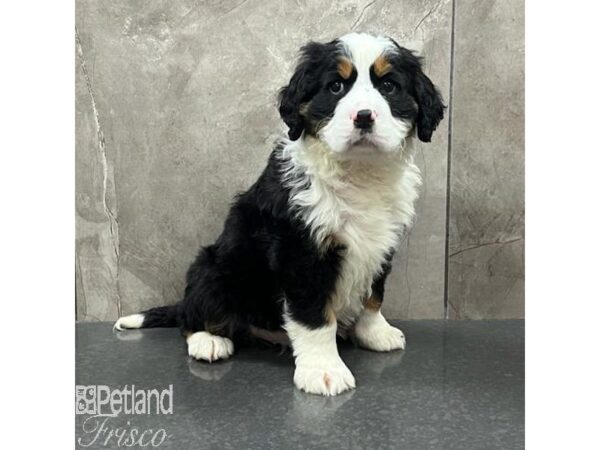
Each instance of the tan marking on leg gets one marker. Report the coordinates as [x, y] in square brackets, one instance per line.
[345, 67]
[329, 314]
[381, 66]
[372, 303]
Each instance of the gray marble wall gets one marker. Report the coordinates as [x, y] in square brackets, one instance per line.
[175, 113]
[486, 206]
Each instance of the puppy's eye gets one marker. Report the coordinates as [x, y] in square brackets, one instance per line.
[336, 88]
[388, 87]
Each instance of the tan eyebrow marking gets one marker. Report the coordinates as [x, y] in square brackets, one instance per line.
[381, 66]
[345, 67]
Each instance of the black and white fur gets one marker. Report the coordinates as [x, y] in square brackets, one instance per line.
[308, 247]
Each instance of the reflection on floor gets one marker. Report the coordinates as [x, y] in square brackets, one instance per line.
[457, 385]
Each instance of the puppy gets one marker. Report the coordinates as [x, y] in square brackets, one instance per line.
[305, 252]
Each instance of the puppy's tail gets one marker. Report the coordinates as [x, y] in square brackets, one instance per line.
[159, 317]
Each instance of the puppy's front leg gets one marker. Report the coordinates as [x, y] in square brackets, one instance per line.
[371, 329]
[319, 368]
[309, 279]
[375, 333]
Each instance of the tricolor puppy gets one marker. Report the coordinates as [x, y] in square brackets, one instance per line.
[306, 250]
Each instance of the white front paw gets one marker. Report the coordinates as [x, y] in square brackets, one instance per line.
[382, 340]
[332, 379]
[375, 333]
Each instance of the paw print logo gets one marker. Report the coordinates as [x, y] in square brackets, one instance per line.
[85, 399]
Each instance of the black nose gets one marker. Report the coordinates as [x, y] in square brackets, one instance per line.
[364, 119]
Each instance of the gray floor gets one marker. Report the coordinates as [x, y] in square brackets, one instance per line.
[458, 385]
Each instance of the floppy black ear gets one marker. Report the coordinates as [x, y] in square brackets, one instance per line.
[429, 100]
[431, 106]
[290, 99]
[301, 88]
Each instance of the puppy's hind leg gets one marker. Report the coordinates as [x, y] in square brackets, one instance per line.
[206, 320]
[205, 346]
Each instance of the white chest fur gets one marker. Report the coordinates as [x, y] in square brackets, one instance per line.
[363, 204]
